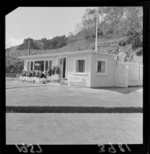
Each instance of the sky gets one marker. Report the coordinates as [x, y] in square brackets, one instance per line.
[41, 22]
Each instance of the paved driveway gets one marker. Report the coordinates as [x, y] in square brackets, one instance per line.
[30, 94]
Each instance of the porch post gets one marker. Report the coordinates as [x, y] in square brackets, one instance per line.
[29, 65]
[25, 65]
[44, 65]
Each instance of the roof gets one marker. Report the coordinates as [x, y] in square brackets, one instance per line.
[61, 54]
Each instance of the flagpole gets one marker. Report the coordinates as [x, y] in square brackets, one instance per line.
[96, 31]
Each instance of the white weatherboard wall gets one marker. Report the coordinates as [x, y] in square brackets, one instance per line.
[135, 74]
[74, 78]
[141, 75]
[102, 80]
[121, 74]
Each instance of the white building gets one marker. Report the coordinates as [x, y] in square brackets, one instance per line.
[88, 68]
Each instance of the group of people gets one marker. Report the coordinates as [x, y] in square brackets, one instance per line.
[53, 70]
[36, 76]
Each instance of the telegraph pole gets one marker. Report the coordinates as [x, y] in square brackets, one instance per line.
[96, 36]
[28, 47]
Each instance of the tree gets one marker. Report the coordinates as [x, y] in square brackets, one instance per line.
[89, 24]
[24, 45]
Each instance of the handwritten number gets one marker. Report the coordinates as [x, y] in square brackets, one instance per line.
[18, 148]
[127, 147]
[101, 148]
[39, 148]
[31, 150]
[120, 147]
[112, 149]
[24, 149]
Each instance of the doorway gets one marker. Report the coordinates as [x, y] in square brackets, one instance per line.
[62, 67]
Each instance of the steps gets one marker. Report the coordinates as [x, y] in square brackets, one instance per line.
[64, 82]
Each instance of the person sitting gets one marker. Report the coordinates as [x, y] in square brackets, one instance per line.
[50, 71]
[33, 73]
[40, 74]
[40, 77]
[36, 76]
[53, 70]
[43, 79]
[36, 73]
[25, 76]
[57, 72]
[32, 76]
[23, 73]
[29, 76]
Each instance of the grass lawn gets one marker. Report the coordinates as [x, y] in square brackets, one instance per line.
[58, 114]
[30, 94]
[77, 128]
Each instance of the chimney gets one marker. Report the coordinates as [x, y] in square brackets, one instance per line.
[28, 47]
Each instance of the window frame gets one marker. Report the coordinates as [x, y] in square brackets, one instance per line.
[82, 73]
[31, 67]
[102, 60]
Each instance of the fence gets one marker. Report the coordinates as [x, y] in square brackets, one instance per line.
[135, 74]
[128, 74]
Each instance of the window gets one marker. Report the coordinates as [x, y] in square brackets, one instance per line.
[61, 61]
[101, 66]
[50, 63]
[39, 65]
[31, 66]
[80, 66]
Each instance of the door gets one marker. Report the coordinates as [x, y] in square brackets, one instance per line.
[62, 65]
[121, 75]
[64, 68]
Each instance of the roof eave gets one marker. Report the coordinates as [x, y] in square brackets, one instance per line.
[62, 54]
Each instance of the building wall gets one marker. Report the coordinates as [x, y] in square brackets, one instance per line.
[25, 64]
[91, 78]
[135, 74]
[101, 80]
[78, 79]
[141, 75]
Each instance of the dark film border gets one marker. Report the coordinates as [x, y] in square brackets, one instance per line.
[135, 148]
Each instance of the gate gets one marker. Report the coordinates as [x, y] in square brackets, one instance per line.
[121, 74]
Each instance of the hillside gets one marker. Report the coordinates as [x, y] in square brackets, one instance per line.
[120, 31]
[14, 64]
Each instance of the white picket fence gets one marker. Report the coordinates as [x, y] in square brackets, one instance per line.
[128, 74]
[135, 74]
